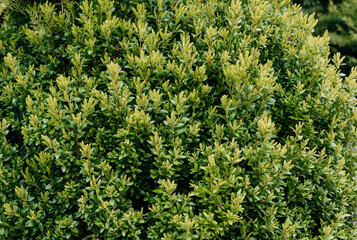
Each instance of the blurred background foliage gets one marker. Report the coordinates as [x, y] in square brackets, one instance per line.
[340, 19]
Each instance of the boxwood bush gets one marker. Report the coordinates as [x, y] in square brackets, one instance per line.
[174, 119]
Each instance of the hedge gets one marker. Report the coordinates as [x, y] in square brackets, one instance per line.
[180, 119]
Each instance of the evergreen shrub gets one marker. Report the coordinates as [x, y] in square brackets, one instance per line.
[170, 119]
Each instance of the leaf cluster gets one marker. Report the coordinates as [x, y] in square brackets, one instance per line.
[339, 18]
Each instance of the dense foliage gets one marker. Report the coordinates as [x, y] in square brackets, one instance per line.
[174, 120]
[340, 19]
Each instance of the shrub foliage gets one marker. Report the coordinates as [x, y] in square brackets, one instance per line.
[174, 119]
